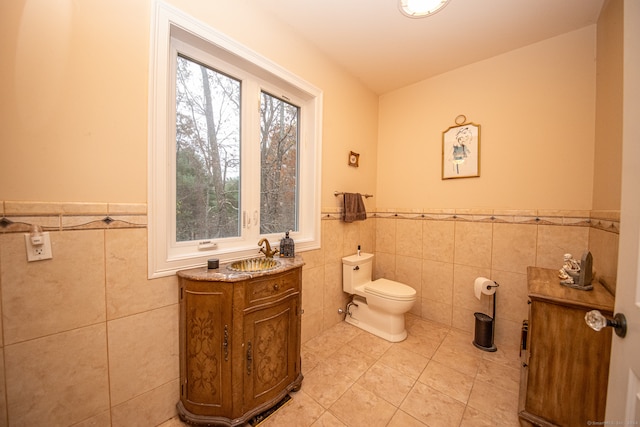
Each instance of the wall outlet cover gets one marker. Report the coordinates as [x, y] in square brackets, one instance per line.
[38, 252]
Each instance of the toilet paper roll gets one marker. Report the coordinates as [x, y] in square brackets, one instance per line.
[482, 285]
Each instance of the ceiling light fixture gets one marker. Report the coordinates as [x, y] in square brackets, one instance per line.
[421, 8]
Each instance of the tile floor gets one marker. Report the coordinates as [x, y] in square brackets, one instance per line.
[434, 378]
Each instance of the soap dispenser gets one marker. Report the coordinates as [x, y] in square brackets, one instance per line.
[287, 247]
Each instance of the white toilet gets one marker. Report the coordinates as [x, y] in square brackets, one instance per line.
[377, 306]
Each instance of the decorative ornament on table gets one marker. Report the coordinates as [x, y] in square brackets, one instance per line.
[577, 274]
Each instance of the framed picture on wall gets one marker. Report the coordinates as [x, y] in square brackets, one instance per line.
[461, 150]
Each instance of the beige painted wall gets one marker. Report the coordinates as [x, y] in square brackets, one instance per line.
[74, 101]
[536, 106]
[74, 85]
[75, 114]
[608, 132]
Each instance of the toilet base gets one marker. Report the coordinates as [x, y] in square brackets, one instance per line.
[384, 325]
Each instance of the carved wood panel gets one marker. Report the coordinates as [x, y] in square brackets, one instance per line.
[272, 333]
[206, 357]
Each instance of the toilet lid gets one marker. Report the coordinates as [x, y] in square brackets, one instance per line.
[390, 289]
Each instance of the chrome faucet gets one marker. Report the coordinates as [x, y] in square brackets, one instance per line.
[268, 252]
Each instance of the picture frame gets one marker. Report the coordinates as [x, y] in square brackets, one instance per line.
[354, 159]
[461, 150]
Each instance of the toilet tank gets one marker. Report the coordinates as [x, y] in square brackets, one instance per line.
[356, 270]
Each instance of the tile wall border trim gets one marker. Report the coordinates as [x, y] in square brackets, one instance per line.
[20, 217]
[608, 221]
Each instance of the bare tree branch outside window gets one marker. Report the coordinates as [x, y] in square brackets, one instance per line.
[207, 153]
[279, 165]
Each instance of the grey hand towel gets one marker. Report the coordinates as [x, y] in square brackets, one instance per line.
[354, 209]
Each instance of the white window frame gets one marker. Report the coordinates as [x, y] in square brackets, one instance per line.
[199, 41]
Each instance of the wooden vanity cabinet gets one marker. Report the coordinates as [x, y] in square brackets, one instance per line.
[565, 363]
[239, 344]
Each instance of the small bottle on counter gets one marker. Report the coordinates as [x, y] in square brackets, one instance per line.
[287, 247]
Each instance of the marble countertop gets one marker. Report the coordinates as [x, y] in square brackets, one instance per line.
[224, 274]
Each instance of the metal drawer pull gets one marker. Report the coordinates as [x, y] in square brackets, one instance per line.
[597, 321]
[225, 343]
[523, 336]
[249, 358]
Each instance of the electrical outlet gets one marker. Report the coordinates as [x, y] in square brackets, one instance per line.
[40, 251]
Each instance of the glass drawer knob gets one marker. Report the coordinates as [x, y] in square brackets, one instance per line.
[597, 321]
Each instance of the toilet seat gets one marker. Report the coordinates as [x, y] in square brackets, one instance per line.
[389, 289]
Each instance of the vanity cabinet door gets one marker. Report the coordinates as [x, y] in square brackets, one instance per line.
[205, 365]
[272, 359]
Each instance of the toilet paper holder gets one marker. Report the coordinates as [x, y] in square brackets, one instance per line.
[485, 325]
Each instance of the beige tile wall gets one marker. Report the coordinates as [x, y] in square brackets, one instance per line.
[88, 340]
[440, 253]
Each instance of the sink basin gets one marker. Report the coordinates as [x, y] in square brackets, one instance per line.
[254, 264]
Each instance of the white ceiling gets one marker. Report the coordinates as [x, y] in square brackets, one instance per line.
[386, 50]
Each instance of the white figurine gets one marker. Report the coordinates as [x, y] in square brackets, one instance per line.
[569, 271]
[570, 264]
[564, 276]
